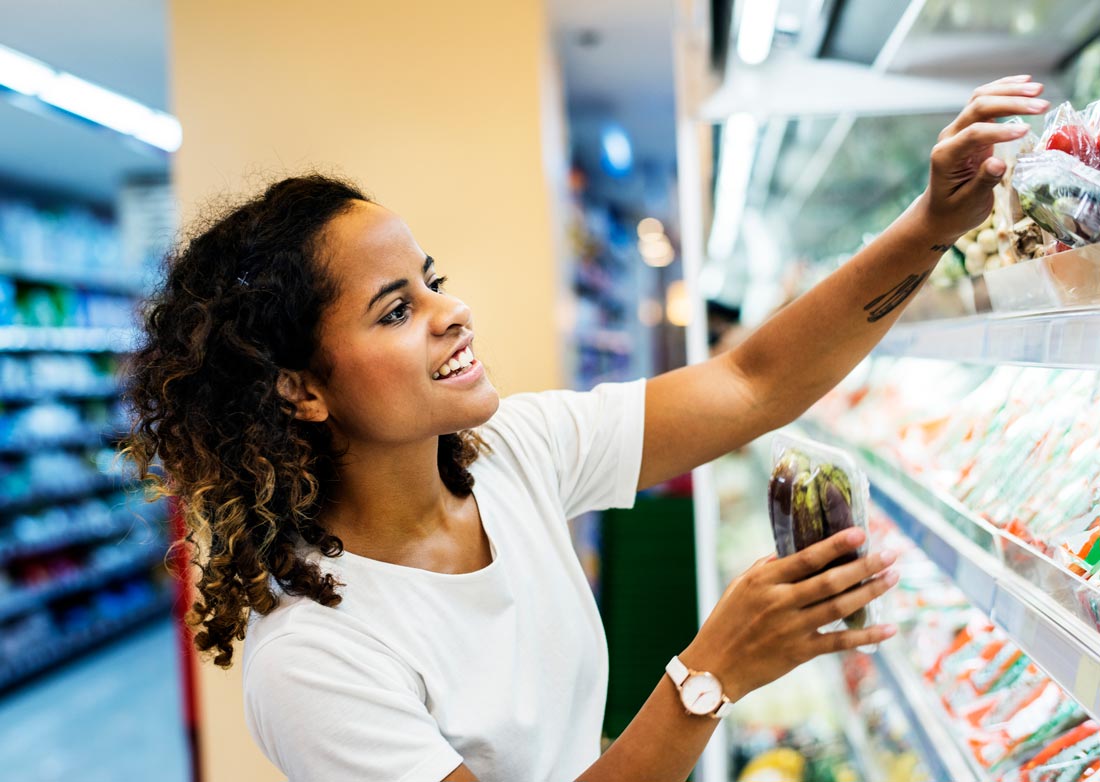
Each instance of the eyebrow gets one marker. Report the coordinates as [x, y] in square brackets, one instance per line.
[397, 285]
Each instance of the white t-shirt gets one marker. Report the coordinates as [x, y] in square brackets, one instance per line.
[503, 669]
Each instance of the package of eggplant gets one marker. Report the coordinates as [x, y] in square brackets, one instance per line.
[817, 491]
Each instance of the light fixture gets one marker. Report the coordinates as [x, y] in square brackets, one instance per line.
[677, 304]
[649, 225]
[64, 91]
[650, 312]
[734, 168]
[756, 30]
[616, 153]
[656, 250]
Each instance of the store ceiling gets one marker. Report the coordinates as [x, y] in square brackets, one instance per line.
[617, 65]
[119, 44]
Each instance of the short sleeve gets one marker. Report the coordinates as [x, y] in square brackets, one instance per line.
[342, 715]
[593, 440]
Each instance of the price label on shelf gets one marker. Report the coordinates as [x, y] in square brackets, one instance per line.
[976, 583]
[1086, 684]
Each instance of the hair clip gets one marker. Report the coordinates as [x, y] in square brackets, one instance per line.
[243, 280]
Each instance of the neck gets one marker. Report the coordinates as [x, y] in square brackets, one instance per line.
[389, 499]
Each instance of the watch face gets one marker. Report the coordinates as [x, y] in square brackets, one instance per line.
[701, 693]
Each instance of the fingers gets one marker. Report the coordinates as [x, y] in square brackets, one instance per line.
[849, 602]
[837, 580]
[813, 558]
[981, 135]
[990, 107]
[826, 643]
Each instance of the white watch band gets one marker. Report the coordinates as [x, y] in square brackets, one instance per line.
[676, 671]
[679, 672]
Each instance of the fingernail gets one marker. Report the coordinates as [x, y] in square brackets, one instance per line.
[1033, 88]
[1021, 77]
[1039, 105]
[888, 558]
[855, 537]
[891, 577]
[889, 630]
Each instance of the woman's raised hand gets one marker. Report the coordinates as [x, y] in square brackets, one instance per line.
[767, 621]
[964, 170]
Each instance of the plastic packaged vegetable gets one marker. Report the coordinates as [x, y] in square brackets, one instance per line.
[1061, 194]
[817, 491]
[1069, 131]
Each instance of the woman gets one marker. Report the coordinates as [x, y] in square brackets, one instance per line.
[391, 535]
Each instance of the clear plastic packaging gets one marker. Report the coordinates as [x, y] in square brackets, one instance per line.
[1070, 131]
[816, 491]
[1061, 194]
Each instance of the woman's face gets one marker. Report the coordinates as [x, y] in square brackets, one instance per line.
[388, 333]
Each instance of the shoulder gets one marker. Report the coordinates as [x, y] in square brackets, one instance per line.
[545, 415]
[307, 643]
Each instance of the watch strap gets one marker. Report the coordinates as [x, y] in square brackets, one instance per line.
[676, 671]
[679, 672]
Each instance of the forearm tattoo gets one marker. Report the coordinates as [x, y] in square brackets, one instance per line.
[879, 308]
[940, 248]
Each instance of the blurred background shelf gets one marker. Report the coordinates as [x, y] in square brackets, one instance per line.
[123, 282]
[20, 601]
[62, 339]
[15, 673]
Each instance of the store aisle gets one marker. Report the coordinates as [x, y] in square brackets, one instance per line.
[115, 716]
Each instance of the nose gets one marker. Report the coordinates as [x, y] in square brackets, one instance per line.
[450, 311]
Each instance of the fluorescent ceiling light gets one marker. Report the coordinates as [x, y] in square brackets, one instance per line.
[90, 101]
[756, 30]
[734, 168]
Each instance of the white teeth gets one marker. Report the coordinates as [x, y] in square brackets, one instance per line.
[454, 364]
[435, 376]
[464, 358]
[445, 370]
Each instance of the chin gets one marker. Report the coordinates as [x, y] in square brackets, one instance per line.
[480, 410]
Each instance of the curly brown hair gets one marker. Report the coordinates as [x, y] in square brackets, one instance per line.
[240, 303]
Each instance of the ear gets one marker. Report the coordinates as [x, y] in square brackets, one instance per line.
[302, 390]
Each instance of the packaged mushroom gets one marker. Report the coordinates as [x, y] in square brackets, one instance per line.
[815, 492]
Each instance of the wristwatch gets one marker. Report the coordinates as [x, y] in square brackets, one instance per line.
[700, 691]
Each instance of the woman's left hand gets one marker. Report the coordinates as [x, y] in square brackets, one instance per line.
[964, 170]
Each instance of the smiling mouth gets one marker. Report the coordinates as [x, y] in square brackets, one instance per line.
[456, 365]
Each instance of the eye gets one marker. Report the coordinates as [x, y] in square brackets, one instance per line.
[397, 315]
[437, 284]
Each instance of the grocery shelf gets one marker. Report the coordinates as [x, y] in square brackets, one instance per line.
[1052, 615]
[71, 536]
[23, 600]
[68, 277]
[96, 484]
[66, 339]
[933, 737]
[1063, 338]
[18, 671]
[87, 438]
[107, 389]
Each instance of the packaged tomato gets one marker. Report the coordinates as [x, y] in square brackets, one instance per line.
[1071, 132]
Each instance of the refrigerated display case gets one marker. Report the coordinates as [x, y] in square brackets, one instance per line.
[820, 183]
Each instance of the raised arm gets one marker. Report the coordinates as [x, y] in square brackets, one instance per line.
[697, 413]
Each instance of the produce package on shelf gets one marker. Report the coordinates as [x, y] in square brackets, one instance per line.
[1058, 183]
[1011, 719]
[815, 492]
[1020, 450]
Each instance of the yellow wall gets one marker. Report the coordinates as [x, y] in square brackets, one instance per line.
[442, 111]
